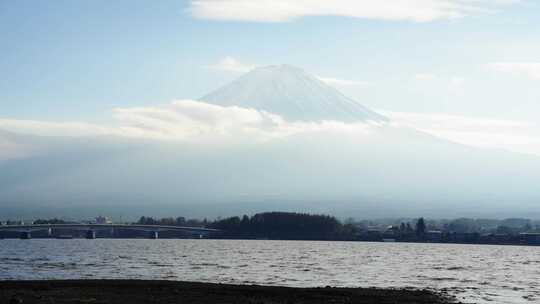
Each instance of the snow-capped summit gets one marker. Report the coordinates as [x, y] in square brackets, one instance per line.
[291, 93]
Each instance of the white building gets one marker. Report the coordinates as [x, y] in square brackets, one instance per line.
[103, 220]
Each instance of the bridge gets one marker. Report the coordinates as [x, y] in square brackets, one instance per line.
[153, 230]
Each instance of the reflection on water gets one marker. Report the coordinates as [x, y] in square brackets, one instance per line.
[480, 274]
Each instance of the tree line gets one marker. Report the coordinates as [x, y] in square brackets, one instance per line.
[269, 225]
[285, 225]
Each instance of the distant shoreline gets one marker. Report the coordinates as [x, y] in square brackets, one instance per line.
[279, 225]
[145, 291]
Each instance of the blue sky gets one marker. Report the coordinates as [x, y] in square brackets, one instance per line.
[77, 61]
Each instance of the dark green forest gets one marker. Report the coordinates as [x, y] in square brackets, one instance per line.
[284, 225]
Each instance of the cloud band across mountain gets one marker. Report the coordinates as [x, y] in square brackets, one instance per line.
[189, 120]
[183, 120]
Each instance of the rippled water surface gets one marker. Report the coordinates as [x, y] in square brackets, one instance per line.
[475, 273]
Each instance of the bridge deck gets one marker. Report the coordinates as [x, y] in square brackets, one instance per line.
[104, 226]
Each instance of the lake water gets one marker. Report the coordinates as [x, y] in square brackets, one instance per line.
[475, 273]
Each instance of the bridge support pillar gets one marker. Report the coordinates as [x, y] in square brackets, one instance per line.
[90, 234]
[26, 235]
[154, 235]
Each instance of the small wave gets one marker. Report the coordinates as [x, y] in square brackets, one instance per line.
[206, 264]
[41, 259]
[58, 265]
[11, 260]
[531, 298]
[442, 279]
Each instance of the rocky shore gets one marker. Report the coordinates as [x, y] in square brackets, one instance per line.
[135, 291]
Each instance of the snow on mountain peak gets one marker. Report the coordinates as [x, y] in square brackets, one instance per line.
[292, 93]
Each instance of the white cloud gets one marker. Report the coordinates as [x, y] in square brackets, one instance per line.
[345, 82]
[457, 84]
[512, 135]
[528, 69]
[195, 120]
[457, 81]
[231, 64]
[424, 76]
[188, 120]
[454, 85]
[452, 81]
[287, 10]
[54, 128]
[185, 120]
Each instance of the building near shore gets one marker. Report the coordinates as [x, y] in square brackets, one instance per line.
[102, 220]
[434, 236]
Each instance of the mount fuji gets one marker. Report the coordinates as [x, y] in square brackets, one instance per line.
[351, 168]
[291, 93]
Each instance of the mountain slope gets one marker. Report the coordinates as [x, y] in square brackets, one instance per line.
[386, 172]
[291, 93]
